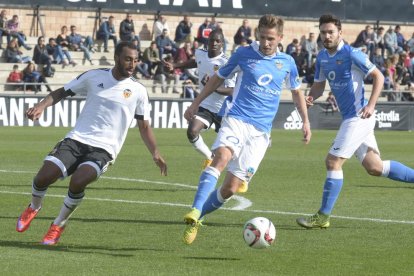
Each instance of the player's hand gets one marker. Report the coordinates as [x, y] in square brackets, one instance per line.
[366, 112]
[307, 133]
[309, 101]
[34, 113]
[159, 161]
[190, 112]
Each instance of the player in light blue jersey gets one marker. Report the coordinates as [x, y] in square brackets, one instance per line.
[244, 134]
[345, 68]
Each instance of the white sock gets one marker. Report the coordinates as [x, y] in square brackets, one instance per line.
[37, 196]
[202, 148]
[71, 202]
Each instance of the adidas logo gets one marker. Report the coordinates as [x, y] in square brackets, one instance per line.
[100, 85]
[294, 121]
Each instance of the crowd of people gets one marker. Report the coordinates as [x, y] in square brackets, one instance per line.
[388, 49]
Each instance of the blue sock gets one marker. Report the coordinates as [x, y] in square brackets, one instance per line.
[396, 171]
[214, 202]
[207, 183]
[331, 190]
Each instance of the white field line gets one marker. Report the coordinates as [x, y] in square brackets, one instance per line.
[242, 206]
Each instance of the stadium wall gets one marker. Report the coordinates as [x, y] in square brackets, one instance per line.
[53, 19]
[170, 114]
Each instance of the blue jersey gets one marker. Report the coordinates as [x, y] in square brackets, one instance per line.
[345, 72]
[260, 78]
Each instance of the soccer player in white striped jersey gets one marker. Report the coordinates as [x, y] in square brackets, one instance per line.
[243, 138]
[345, 68]
[207, 61]
[113, 100]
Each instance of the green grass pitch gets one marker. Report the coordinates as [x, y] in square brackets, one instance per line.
[130, 222]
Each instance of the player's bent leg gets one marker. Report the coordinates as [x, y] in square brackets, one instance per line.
[53, 235]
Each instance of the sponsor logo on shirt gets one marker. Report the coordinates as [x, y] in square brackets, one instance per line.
[100, 85]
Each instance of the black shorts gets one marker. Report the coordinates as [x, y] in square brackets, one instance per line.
[209, 118]
[72, 153]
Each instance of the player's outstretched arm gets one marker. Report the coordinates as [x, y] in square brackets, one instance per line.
[315, 92]
[191, 63]
[378, 83]
[301, 105]
[148, 137]
[54, 97]
[213, 83]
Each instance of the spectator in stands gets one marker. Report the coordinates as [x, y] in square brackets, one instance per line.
[379, 40]
[63, 39]
[378, 60]
[13, 54]
[30, 75]
[390, 42]
[402, 69]
[183, 31]
[291, 48]
[184, 54]
[59, 54]
[15, 78]
[204, 31]
[164, 76]
[311, 49]
[41, 56]
[81, 43]
[244, 31]
[13, 30]
[410, 45]
[127, 30]
[300, 60]
[366, 38]
[165, 45]
[391, 78]
[3, 32]
[141, 67]
[107, 31]
[189, 89]
[159, 25]
[400, 37]
[151, 57]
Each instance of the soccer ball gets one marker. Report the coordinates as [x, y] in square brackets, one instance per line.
[259, 232]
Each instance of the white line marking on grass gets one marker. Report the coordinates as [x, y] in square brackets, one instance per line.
[243, 202]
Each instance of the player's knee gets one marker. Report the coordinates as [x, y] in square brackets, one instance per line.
[42, 180]
[332, 164]
[373, 169]
[192, 135]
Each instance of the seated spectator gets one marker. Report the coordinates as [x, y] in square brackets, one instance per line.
[390, 42]
[400, 37]
[80, 43]
[13, 54]
[151, 57]
[190, 90]
[15, 78]
[184, 54]
[141, 66]
[63, 39]
[165, 45]
[378, 60]
[410, 45]
[41, 56]
[291, 48]
[59, 55]
[183, 31]
[164, 76]
[159, 25]
[310, 47]
[3, 32]
[300, 60]
[204, 31]
[127, 30]
[30, 75]
[379, 40]
[107, 31]
[244, 31]
[13, 30]
[366, 38]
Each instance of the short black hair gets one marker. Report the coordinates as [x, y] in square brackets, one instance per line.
[329, 18]
[217, 31]
[121, 45]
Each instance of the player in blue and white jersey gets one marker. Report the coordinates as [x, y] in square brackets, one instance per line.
[113, 100]
[244, 134]
[207, 61]
[345, 68]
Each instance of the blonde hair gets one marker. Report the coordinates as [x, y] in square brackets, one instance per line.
[270, 21]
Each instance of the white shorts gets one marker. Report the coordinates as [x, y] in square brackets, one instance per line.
[355, 136]
[248, 144]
